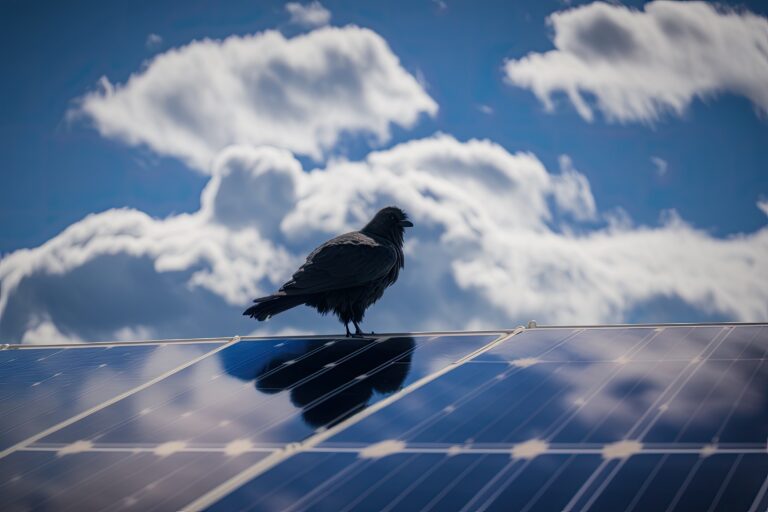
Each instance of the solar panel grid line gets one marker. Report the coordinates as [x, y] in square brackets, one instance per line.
[714, 387]
[359, 499]
[427, 422]
[674, 388]
[597, 424]
[646, 326]
[314, 375]
[413, 485]
[569, 415]
[576, 498]
[166, 477]
[4, 453]
[724, 484]
[452, 485]
[349, 472]
[307, 469]
[110, 344]
[169, 399]
[336, 390]
[709, 349]
[759, 498]
[375, 336]
[646, 483]
[222, 490]
[57, 447]
[684, 487]
[738, 400]
[618, 465]
[492, 490]
[179, 491]
[545, 488]
[520, 400]
[553, 449]
[84, 481]
[326, 487]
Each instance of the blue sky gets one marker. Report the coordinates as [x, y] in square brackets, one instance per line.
[61, 165]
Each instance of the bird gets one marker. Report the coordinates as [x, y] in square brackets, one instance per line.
[346, 274]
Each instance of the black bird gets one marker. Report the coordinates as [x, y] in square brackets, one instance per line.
[346, 274]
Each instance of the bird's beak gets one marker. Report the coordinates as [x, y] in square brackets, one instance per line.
[406, 223]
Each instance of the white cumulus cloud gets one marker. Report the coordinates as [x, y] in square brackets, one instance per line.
[492, 246]
[762, 204]
[641, 64]
[308, 15]
[302, 94]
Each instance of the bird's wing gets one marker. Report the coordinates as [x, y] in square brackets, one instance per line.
[346, 261]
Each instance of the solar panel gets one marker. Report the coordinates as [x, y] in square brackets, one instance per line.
[630, 418]
[667, 418]
[186, 431]
[40, 387]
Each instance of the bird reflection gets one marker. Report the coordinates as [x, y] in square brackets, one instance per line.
[330, 383]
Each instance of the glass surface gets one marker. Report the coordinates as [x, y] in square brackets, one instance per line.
[671, 418]
[42, 387]
[497, 482]
[269, 392]
[113, 480]
[647, 391]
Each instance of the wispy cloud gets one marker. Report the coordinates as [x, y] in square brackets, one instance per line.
[639, 65]
[308, 15]
[660, 164]
[153, 42]
[762, 204]
[485, 109]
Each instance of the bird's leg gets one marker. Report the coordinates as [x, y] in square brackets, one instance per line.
[346, 326]
[358, 331]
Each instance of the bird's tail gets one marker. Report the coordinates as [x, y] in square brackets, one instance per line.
[271, 305]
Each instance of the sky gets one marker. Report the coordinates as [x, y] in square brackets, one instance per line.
[568, 162]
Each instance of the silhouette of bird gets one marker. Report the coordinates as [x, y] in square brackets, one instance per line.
[346, 274]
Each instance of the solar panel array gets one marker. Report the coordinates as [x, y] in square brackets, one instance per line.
[626, 418]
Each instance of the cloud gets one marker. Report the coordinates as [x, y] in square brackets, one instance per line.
[485, 109]
[303, 94]
[639, 65]
[494, 244]
[661, 165]
[762, 204]
[153, 41]
[308, 15]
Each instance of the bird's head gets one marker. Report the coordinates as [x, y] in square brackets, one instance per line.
[390, 223]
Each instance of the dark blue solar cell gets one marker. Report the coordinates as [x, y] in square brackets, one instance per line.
[42, 387]
[35, 480]
[270, 391]
[588, 400]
